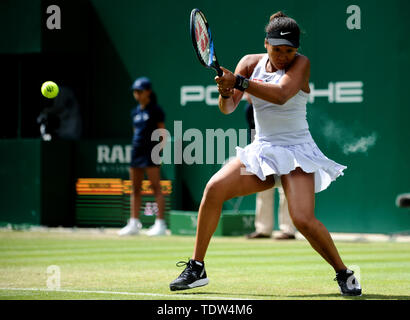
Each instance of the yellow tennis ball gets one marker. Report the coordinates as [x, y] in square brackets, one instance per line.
[49, 89]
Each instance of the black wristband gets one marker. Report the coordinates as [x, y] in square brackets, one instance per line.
[241, 83]
[225, 97]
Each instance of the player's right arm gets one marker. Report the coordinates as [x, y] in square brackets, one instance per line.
[227, 81]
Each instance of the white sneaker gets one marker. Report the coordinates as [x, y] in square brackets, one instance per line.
[158, 229]
[133, 227]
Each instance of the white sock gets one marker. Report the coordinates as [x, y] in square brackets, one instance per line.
[134, 221]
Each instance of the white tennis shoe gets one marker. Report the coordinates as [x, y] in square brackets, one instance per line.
[159, 228]
[133, 227]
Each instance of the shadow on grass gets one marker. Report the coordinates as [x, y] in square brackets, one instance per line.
[306, 296]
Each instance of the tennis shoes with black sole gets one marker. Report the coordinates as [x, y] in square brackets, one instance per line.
[193, 276]
[348, 284]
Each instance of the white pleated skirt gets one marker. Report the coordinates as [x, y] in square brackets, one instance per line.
[264, 158]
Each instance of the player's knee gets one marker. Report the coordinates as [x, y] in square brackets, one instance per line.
[303, 223]
[213, 191]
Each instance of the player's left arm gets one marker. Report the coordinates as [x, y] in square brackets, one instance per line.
[291, 83]
[227, 81]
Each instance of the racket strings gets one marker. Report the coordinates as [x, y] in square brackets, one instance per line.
[202, 38]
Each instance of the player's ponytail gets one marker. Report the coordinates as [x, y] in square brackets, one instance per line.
[278, 14]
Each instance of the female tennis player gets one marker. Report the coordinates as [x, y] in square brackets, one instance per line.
[283, 151]
[146, 117]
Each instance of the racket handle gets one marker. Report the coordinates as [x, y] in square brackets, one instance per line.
[219, 71]
[220, 74]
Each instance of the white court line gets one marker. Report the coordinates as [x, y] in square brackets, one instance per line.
[199, 296]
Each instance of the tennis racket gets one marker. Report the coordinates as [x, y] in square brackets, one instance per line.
[202, 41]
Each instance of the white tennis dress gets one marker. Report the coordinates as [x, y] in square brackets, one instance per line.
[282, 140]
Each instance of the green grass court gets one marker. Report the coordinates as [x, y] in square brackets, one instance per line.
[100, 265]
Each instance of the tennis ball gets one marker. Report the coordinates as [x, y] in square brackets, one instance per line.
[49, 89]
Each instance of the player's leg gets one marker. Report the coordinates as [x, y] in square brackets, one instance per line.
[229, 182]
[154, 175]
[299, 190]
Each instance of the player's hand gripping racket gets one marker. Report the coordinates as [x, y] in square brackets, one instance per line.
[203, 43]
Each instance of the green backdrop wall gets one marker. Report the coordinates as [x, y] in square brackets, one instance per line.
[359, 105]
